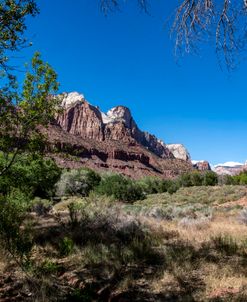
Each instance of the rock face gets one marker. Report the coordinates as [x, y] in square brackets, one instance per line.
[80, 118]
[230, 168]
[87, 121]
[82, 135]
[201, 165]
[179, 151]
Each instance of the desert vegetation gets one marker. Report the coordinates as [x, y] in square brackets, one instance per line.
[80, 235]
[77, 235]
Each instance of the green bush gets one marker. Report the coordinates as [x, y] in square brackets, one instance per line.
[77, 182]
[120, 188]
[185, 180]
[173, 187]
[240, 179]
[226, 180]
[151, 185]
[15, 235]
[66, 246]
[154, 185]
[40, 206]
[47, 267]
[32, 174]
[196, 178]
[210, 178]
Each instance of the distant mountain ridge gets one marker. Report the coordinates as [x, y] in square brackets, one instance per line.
[83, 119]
[230, 168]
[111, 141]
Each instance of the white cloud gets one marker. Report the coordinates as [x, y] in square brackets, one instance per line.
[229, 164]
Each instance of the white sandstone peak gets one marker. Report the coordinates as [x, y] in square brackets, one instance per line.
[179, 151]
[71, 99]
[116, 114]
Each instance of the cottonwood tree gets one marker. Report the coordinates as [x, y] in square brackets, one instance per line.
[13, 14]
[222, 23]
[23, 108]
[22, 114]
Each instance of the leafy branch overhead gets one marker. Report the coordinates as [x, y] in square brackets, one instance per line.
[13, 15]
[218, 23]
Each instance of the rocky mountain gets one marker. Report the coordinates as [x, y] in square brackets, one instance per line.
[179, 151]
[230, 168]
[82, 119]
[82, 135]
[201, 165]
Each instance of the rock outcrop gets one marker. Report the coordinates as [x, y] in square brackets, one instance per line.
[202, 165]
[82, 119]
[179, 151]
[230, 168]
[82, 135]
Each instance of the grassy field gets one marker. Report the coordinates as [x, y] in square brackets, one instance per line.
[189, 246]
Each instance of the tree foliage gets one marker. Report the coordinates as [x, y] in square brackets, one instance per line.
[13, 14]
[31, 174]
[23, 110]
[22, 114]
[120, 188]
[77, 182]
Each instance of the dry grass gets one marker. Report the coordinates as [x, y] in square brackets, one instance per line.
[120, 253]
[222, 279]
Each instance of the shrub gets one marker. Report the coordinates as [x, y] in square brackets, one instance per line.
[225, 244]
[32, 174]
[240, 179]
[225, 180]
[210, 178]
[15, 235]
[151, 185]
[41, 206]
[66, 246]
[196, 178]
[185, 180]
[120, 188]
[77, 182]
[172, 187]
[197, 223]
[47, 267]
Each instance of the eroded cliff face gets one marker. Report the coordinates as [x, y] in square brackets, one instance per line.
[87, 121]
[201, 165]
[83, 136]
[80, 118]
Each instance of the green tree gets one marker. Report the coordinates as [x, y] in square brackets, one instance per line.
[13, 14]
[23, 110]
[196, 178]
[121, 188]
[185, 180]
[22, 116]
[210, 178]
[31, 174]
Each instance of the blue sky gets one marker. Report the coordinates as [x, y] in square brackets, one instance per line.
[127, 59]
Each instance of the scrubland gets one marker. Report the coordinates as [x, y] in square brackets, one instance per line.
[188, 246]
